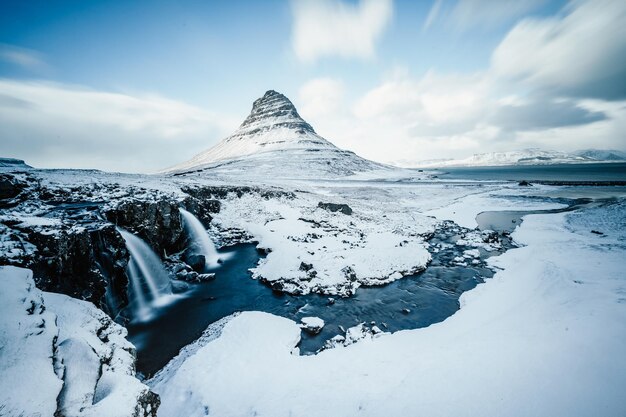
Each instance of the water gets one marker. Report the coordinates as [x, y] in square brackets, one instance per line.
[508, 220]
[432, 296]
[150, 286]
[200, 241]
[561, 172]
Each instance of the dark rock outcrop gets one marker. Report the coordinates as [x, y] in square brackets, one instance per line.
[158, 222]
[274, 105]
[208, 193]
[82, 263]
[195, 261]
[332, 207]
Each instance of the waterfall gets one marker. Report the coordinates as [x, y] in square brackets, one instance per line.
[150, 283]
[200, 238]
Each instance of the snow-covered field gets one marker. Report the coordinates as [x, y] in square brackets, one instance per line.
[544, 337]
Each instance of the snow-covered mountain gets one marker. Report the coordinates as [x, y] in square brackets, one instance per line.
[532, 156]
[275, 140]
[602, 154]
[13, 163]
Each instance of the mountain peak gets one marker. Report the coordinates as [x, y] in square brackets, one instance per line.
[271, 111]
[275, 140]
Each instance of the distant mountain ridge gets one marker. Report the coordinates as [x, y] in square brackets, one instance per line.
[275, 140]
[531, 156]
[13, 163]
[602, 155]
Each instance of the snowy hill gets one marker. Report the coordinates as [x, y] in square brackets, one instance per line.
[531, 156]
[275, 140]
[13, 163]
[602, 155]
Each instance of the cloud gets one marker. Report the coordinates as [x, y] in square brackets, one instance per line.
[57, 125]
[433, 13]
[473, 13]
[556, 82]
[24, 58]
[541, 114]
[321, 97]
[454, 115]
[578, 54]
[334, 28]
[484, 14]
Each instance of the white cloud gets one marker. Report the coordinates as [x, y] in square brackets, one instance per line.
[335, 28]
[28, 59]
[481, 14]
[451, 116]
[474, 13]
[579, 54]
[320, 97]
[56, 125]
[562, 61]
[433, 13]
[429, 101]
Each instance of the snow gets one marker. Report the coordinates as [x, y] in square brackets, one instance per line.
[312, 324]
[531, 156]
[99, 362]
[463, 211]
[62, 355]
[544, 337]
[275, 138]
[344, 251]
[28, 382]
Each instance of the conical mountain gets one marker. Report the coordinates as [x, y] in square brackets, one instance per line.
[275, 140]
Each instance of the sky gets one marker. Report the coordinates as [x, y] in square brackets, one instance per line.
[140, 86]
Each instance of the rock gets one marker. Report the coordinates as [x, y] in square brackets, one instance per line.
[82, 263]
[524, 183]
[10, 186]
[179, 286]
[356, 333]
[305, 266]
[158, 222]
[196, 262]
[335, 341]
[332, 207]
[205, 277]
[207, 193]
[489, 236]
[312, 325]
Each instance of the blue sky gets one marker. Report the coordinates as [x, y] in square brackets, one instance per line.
[92, 83]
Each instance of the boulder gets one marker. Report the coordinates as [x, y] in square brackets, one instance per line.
[332, 207]
[10, 186]
[312, 325]
[196, 261]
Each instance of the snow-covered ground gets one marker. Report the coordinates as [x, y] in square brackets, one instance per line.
[62, 356]
[544, 337]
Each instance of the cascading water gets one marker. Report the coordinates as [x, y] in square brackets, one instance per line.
[150, 283]
[200, 239]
